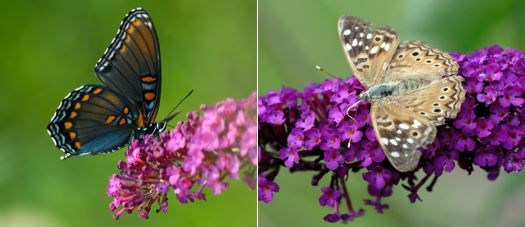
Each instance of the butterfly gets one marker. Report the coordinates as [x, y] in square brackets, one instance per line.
[411, 86]
[96, 119]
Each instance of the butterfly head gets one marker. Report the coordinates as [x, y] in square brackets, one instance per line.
[364, 96]
[152, 129]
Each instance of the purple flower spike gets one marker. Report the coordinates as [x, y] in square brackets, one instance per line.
[203, 151]
[488, 132]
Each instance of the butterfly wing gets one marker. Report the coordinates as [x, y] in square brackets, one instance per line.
[131, 63]
[417, 60]
[92, 119]
[368, 50]
[400, 132]
[439, 100]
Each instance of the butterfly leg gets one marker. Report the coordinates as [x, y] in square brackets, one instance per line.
[352, 108]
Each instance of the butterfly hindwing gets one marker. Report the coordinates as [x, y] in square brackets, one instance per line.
[92, 119]
[131, 63]
[400, 132]
[443, 99]
[368, 50]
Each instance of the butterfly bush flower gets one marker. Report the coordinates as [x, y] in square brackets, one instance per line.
[309, 130]
[205, 151]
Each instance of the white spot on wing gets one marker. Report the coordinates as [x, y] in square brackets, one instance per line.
[374, 50]
[404, 126]
[416, 124]
[393, 142]
[354, 42]
[405, 146]
[348, 47]
[369, 36]
[410, 140]
[384, 140]
[394, 154]
[347, 32]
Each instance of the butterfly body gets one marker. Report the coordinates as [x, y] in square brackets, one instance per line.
[95, 119]
[392, 89]
[411, 86]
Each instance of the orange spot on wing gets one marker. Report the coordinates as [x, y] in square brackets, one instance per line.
[140, 120]
[148, 79]
[68, 124]
[110, 118]
[122, 121]
[113, 99]
[77, 105]
[149, 96]
[125, 110]
[73, 114]
[72, 135]
[131, 29]
[85, 98]
[97, 90]
[153, 114]
[77, 145]
[137, 22]
[123, 49]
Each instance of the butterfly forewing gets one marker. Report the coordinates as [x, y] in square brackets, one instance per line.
[131, 63]
[368, 50]
[415, 59]
[400, 133]
[92, 119]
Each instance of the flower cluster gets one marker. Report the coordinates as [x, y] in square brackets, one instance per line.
[309, 130]
[203, 151]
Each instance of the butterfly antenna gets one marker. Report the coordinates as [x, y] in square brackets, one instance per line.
[174, 111]
[322, 70]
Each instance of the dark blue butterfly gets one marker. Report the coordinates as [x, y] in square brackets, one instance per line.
[96, 119]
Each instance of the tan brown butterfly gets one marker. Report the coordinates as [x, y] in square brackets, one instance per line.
[411, 86]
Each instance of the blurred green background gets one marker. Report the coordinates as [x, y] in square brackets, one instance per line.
[296, 35]
[48, 48]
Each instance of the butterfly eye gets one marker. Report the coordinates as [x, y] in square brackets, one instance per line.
[442, 97]
[400, 56]
[378, 39]
[415, 53]
[445, 89]
[437, 110]
[429, 61]
[422, 113]
[436, 65]
[415, 134]
[418, 59]
[435, 104]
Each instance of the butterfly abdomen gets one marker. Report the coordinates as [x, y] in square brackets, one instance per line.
[408, 85]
